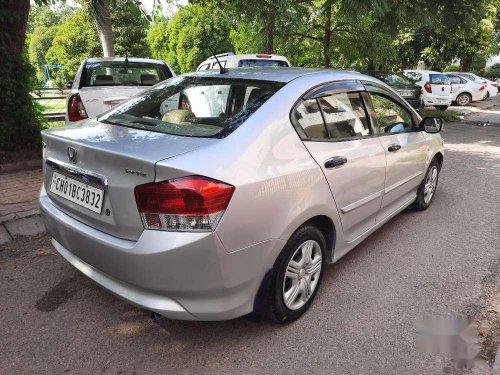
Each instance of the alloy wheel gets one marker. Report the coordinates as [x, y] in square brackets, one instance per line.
[463, 99]
[430, 184]
[302, 274]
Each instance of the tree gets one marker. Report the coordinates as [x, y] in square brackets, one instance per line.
[193, 34]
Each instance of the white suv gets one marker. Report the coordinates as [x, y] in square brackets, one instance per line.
[103, 82]
[230, 60]
[436, 87]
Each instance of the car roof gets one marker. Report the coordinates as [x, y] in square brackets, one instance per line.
[279, 74]
[423, 71]
[121, 59]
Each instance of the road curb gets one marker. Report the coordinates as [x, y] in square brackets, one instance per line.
[20, 166]
[27, 223]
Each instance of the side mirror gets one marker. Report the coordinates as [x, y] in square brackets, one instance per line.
[431, 124]
[69, 84]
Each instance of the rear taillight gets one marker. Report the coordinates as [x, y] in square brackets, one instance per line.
[193, 203]
[428, 87]
[76, 110]
[482, 88]
[494, 84]
[420, 92]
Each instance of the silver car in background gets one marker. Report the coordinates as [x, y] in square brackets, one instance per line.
[212, 196]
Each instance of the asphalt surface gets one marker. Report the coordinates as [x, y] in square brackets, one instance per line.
[53, 320]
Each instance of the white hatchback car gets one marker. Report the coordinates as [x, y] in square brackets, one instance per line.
[230, 60]
[436, 87]
[464, 91]
[104, 82]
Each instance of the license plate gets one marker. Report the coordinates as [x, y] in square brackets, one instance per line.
[82, 194]
[405, 94]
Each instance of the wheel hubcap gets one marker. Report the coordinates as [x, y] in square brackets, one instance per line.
[463, 100]
[430, 184]
[302, 275]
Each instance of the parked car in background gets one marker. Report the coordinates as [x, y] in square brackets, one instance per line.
[404, 86]
[234, 201]
[230, 60]
[436, 87]
[491, 87]
[103, 82]
[464, 91]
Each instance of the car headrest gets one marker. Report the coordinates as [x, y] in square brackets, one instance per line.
[179, 116]
[103, 79]
[148, 79]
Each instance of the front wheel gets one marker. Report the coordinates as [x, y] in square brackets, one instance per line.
[297, 275]
[427, 188]
[441, 107]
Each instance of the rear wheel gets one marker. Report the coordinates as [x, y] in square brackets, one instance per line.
[441, 107]
[464, 99]
[297, 275]
[427, 188]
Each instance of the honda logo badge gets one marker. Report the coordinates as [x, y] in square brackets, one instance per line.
[71, 154]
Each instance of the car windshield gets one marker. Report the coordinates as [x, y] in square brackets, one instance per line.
[252, 63]
[121, 73]
[393, 79]
[194, 106]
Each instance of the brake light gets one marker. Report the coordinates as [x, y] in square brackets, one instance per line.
[494, 84]
[264, 56]
[420, 92]
[482, 88]
[76, 110]
[193, 203]
[428, 87]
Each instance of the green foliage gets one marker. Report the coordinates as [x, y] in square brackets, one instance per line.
[129, 28]
[190, 36]
[20, 117]
[39, 41]
[493, 71]
[446, 116]
[75, 40]
[452, 68]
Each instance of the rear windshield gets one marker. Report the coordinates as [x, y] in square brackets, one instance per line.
[439, 79]
[251, 63]
[121, 73]
[194, 106]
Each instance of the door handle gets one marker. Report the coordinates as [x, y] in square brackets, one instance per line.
[393, 148]
[336, 161]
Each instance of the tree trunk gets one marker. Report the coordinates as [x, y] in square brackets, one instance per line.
[327, 34]
[105, 30]
[465, 64]
[14, 27]
[268, 32]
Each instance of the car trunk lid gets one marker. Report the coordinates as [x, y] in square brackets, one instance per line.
[120, 157]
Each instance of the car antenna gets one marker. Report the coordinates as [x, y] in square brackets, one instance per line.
[222, 69]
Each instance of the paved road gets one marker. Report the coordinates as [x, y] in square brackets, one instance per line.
[442, 261]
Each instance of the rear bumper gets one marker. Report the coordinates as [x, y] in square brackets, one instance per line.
[415, 103]
[179, 275]
[436, 100]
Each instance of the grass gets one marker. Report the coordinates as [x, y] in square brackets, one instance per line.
[446, 116]
[51, 106]
[54, 124]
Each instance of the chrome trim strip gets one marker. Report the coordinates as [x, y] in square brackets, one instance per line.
[82, 174]
[402, 182]
[361, 202]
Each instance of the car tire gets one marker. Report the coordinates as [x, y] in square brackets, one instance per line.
[427, 188]
[464, 99]
[441, 107]
[302, 283]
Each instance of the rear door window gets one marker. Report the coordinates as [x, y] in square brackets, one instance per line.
[121, 73]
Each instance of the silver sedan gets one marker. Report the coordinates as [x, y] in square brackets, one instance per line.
[219, 194]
